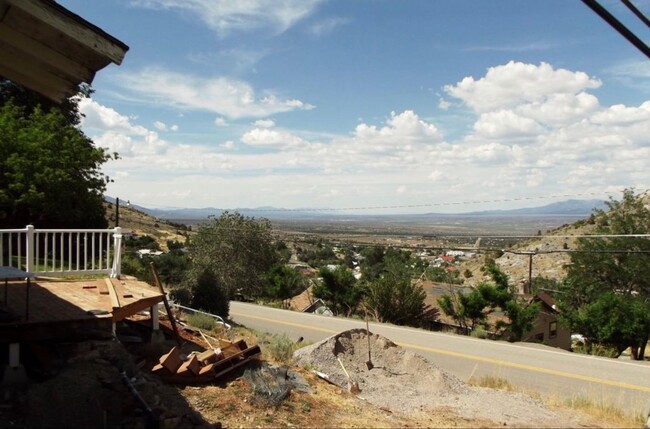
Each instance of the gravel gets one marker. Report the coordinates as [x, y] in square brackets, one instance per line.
[404, 382]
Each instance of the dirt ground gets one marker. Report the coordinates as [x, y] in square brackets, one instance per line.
[81, 385]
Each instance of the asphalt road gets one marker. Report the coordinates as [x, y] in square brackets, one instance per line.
[550, 372]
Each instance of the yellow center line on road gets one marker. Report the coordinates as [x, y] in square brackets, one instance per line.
[472, 357]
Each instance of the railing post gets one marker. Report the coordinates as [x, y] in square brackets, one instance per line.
[29, 251]
[116, 271]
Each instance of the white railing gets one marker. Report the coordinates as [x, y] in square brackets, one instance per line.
[60, 252]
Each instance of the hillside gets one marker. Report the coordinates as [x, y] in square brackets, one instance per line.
[548, 261]
[140, 223]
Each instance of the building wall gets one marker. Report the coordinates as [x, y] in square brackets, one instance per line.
[549, 331]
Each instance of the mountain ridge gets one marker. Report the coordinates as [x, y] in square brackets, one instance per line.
[571, 207]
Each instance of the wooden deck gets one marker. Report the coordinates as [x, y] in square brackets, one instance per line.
[69, 309]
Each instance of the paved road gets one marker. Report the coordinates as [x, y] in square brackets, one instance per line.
[551, 372]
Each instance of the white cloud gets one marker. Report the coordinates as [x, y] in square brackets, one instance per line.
[505, 124]
[228, 97]
[443, 104]
[560, 109]
[328, 25]
[220, 122]
[548, 141]
[224, 16]
[264, 123]
[264, 137]
[400, 131]
[514, 83]
[118, 134]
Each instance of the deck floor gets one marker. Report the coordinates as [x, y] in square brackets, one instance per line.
[62, 306]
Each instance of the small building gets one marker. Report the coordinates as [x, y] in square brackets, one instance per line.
[547, 329]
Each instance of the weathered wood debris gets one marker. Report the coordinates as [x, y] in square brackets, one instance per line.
[206, 366]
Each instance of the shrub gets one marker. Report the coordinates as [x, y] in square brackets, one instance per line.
[281, 348]
[201, 321]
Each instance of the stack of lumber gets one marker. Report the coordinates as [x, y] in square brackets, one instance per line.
[207, 365]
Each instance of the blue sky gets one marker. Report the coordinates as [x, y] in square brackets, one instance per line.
[421, 105]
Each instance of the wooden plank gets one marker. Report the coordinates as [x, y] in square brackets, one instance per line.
[103, 288]
[135, 307]
[78, 30]
[119, 288]
[115, 301]
[172, 360]
[45, 53]
[190, 367]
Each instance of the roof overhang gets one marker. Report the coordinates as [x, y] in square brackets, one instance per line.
[50, 50]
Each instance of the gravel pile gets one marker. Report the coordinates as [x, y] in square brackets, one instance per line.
[405, 382]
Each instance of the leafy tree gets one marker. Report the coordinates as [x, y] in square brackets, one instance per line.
[321, 256]
[208, 295]
[473, 309]
[440, 275]
[283, 282]
[172, 266]
[231, 253]
[50, 171]
[393, 297]
[609, 279]
[339, 290]
[141, 242]
[469, 310]
[376, 258]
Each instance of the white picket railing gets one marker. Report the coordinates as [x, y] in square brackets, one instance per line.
[60, 252]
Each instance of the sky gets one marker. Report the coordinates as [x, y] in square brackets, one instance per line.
[378, 106]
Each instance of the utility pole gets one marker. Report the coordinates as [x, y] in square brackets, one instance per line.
[117, 212]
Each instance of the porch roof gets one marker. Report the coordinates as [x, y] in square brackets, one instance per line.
[50, 50]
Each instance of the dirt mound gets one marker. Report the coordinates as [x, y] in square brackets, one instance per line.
[405, 382]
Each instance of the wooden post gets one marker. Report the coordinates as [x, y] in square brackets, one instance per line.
[169, 310]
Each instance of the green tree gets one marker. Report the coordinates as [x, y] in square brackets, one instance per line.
[232, 253]
[609, 279]
[473, 309]
[283, 282]
[339, 290]
[376, 258]
[469, 310]
[394, 297]
[50, 171]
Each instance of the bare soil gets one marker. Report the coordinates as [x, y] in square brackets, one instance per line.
[84, 386]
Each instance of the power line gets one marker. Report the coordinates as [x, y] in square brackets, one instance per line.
[618, 26]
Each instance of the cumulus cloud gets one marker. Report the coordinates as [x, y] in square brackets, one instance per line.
[264, 123]
[264, 137]
[513, 83]
[400, 131]
[505, 123]
[220, 122]
[231, 98]
[551, 139]
[117, 133]
[224, 16]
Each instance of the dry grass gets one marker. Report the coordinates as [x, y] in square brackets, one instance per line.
[601, 413]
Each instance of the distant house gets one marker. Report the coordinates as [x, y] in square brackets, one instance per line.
[148, 252]
[303, 268]
[547, 329]
[307, 303]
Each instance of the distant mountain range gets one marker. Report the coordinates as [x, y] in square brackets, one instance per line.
[562, 208]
